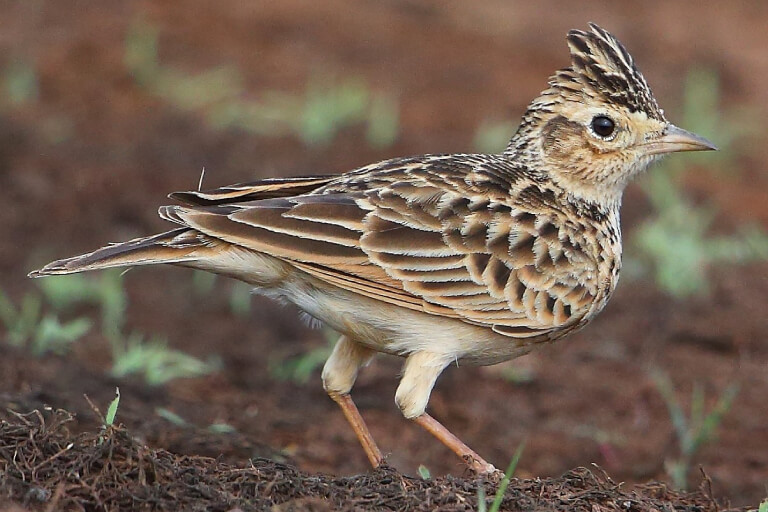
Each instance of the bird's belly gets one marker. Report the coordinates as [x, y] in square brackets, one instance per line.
[400, 331]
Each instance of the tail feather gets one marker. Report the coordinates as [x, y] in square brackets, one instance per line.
[176, 246]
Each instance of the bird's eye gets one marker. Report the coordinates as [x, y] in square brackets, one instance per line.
[603, 126]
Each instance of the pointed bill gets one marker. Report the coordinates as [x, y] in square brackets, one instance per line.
[676, 139]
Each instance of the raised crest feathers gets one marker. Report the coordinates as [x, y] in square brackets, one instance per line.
[600, 63]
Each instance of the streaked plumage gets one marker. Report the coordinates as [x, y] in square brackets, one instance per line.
[465, 257]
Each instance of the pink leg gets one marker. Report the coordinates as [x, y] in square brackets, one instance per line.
[457, 446]
[357, 423]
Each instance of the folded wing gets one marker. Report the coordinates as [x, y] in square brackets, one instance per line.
[456, 251]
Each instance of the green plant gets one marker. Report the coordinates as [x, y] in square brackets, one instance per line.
[326, 107]
[171, 417]
[109, 419]
[498, 498]
[424, 472]
[675, 243]
[155, 361]
[221, 428]
[175, 419]
[680, 249]
[105, 290]
[695, 430]
[131, 354]
[26, 326]
[763, 506]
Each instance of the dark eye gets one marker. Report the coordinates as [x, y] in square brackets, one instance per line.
[603, 126]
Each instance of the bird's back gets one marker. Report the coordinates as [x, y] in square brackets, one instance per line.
[474, 237]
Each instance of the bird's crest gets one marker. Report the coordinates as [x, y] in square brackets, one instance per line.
[601, 64]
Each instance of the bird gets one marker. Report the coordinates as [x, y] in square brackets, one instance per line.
[442, 258]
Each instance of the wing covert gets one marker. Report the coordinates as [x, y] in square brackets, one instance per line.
[451, 247]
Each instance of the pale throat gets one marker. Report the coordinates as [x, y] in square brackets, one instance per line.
[605, 190]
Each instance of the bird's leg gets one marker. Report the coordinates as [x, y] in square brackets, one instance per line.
[339, 374]
[357, 423]
[419, 376]
[467, 454]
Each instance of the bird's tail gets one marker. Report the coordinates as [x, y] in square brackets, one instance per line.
[176, 246]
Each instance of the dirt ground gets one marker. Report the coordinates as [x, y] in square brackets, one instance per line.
[90, 156]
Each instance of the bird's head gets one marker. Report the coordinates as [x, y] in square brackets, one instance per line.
[597, 124]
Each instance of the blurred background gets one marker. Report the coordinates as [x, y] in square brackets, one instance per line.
[107, 106]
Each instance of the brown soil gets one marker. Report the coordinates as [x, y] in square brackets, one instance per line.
[112, 471]
[92, 157]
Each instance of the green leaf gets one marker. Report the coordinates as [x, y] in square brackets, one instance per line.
[482, 506]
[171, 416]
[499, 498]
[155, 361]
[112, 409]
[53, 336]
[221, 428]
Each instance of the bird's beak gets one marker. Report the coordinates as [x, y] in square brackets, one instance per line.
[676, 139]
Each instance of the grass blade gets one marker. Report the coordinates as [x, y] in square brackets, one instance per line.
[496, 505]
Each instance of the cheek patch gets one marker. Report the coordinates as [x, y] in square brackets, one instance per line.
[563, 138]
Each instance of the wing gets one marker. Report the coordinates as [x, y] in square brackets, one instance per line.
[438, 234]
[242, 192]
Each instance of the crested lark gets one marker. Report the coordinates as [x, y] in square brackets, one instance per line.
[466, 258]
